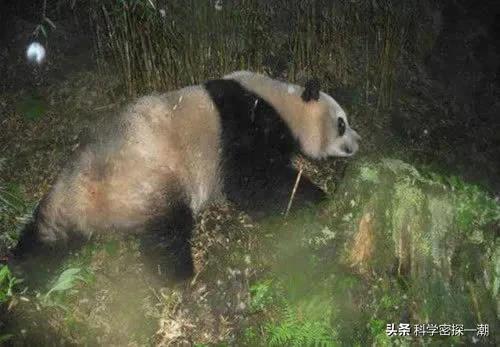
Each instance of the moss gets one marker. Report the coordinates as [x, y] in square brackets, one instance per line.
[437, 233]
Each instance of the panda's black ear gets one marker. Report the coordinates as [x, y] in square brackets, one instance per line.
[311, 90]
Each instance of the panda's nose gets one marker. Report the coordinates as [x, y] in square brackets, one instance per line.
[347, 149]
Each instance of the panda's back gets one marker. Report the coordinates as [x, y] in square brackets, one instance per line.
[161, 148]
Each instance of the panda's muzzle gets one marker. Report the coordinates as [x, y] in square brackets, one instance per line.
[346, 149]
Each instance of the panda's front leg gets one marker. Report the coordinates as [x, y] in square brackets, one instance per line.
[167, 242]
[285, 186]
[306, 194]
[266, 190]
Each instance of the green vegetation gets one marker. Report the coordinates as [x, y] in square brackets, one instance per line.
[31, 107]
[300, 323]
[7, 284]
[15, 211]
[67, 280]
[415, 257]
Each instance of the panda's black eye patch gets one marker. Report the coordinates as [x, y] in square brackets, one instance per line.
[341, 126]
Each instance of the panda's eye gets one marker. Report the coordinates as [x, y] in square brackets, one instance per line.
[341, 126]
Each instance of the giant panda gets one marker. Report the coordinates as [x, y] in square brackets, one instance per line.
[152, 169]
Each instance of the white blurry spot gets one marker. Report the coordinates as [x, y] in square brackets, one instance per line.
[327, 233]
[347, 217]
[218, 5]
[233, 272]
[426, 131]
[163, 13]
[35, 53]
[201, 290]
[291, 89]
[178, 102]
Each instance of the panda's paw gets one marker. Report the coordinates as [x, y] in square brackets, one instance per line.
[183, 266]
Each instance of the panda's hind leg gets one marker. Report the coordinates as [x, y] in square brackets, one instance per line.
[166, 242]
[37, 262]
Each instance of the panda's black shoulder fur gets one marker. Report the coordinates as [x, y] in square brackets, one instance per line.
[257, 147]
[252, 129]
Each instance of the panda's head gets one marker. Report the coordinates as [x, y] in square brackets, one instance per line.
[316, 120]
[328, 123]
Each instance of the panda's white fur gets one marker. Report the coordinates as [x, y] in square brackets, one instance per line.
[312, 123]
[168, 148]
[118, 183]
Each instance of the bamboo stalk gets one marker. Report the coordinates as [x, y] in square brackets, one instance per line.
[292, 196]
